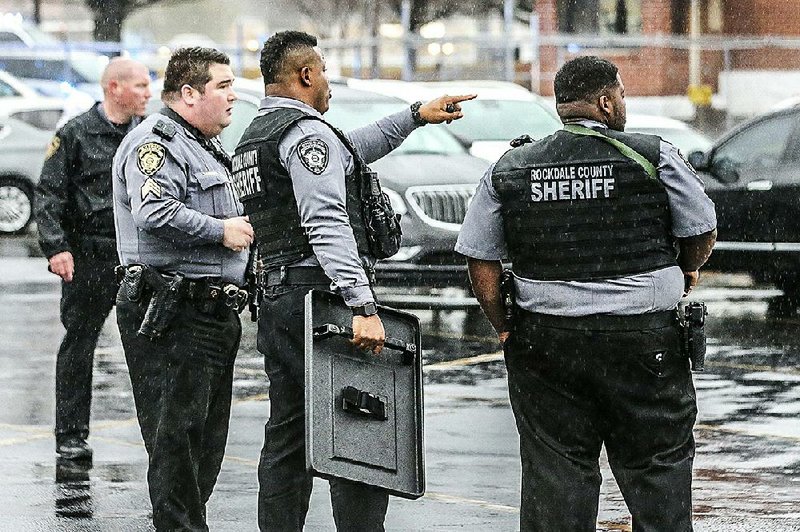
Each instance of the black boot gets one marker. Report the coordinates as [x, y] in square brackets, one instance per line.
[74, 448]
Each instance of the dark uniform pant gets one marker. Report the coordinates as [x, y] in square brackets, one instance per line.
[182, 385]
[574, 389]
[85, 304]
[284, 482]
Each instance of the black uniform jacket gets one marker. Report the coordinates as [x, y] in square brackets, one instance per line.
[73, 202]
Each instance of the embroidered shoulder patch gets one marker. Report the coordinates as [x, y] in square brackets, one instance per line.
[314, 155]
[52, 148]
[150, 187]
[150, 157]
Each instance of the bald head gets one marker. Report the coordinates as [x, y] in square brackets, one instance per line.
[121, 69]
[126, 87]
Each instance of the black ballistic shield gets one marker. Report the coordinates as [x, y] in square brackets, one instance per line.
[363, 411]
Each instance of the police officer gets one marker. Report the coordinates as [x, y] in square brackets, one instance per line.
[183, 244]
[590, 218]
[298, 179]
[76, 233]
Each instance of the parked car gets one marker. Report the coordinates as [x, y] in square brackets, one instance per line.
[682, 135]
[22, 150]
[23, 103]
[16, 32]
[502, 112]
[753, 175]
[27, 123]
[56, 73]
[430, 179]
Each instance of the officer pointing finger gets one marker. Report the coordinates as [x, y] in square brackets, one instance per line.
[314, 206]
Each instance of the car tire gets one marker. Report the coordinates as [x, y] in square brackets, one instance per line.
[16, 205]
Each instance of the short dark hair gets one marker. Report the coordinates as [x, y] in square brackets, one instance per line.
[277, 48]
[584, 78]
[190, 66]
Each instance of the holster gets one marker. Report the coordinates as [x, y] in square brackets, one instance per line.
[694, 334]
[508, 294]
[163, 306]
[382, 223]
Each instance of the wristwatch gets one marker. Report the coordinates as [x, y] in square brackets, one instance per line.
[368, 309]
[415, 114]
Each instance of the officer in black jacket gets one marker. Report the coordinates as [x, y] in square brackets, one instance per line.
[606, 231]
[73, 211]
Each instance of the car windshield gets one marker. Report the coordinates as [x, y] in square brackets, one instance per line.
[686, 140]
[503, 120]
[89, 66]
[349, 114]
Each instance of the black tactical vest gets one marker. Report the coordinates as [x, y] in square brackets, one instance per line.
[575, 208]
[265, 190]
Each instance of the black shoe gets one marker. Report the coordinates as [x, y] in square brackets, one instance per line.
[74, 448]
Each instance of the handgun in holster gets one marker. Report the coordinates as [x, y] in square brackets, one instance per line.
[694, 334]
[163, 307]
[252, 273]
[508, 294]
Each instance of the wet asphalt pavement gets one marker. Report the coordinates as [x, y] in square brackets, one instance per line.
[747, 470]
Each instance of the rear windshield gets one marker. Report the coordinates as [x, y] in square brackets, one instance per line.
[504, 120]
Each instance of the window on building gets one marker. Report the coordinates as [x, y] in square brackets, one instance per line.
[602, 17]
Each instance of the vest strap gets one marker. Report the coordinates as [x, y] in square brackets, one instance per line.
[623, 148]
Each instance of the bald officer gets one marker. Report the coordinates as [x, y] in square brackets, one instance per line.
[72, 206]
[183, 244]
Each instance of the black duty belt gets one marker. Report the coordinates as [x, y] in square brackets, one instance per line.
[600, 322]
[208, 290]
[293, 275]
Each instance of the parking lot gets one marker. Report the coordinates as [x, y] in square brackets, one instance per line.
[747, 471]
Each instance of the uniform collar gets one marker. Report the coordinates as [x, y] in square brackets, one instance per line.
[585, 122]
[128, 127]
[269, 103]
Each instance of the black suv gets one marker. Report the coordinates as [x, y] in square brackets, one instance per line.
[753, 175]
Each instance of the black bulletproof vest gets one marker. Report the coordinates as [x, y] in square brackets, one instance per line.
[265, 190]
[575, 208]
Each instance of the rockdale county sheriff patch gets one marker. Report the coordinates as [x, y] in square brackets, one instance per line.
[573, 182]
[314, 155]
[150, 157]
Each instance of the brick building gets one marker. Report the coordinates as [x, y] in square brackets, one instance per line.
[649, 39]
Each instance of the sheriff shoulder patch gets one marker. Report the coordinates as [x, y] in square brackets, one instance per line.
[52, 148]
[150, 187]
[314, 155]
[150, 157]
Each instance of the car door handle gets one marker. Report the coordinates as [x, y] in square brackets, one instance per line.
[762, 184]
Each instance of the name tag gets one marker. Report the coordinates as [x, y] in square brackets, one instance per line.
[573, 182]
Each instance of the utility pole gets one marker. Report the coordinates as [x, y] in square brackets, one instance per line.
[37, 11]
[508, 29]
[405, 20]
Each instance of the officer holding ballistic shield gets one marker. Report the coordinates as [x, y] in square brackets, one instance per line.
[183, 245]
[306, 189]
[589, 217]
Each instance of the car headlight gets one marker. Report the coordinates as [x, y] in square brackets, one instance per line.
[398, 204]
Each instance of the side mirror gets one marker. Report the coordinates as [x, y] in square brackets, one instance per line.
[698, 160]
[724, 170]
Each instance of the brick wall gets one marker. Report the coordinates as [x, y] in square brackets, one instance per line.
[652, 71]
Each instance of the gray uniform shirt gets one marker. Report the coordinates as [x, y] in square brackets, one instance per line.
[320, 192]
[170, 200]
[482, 237]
